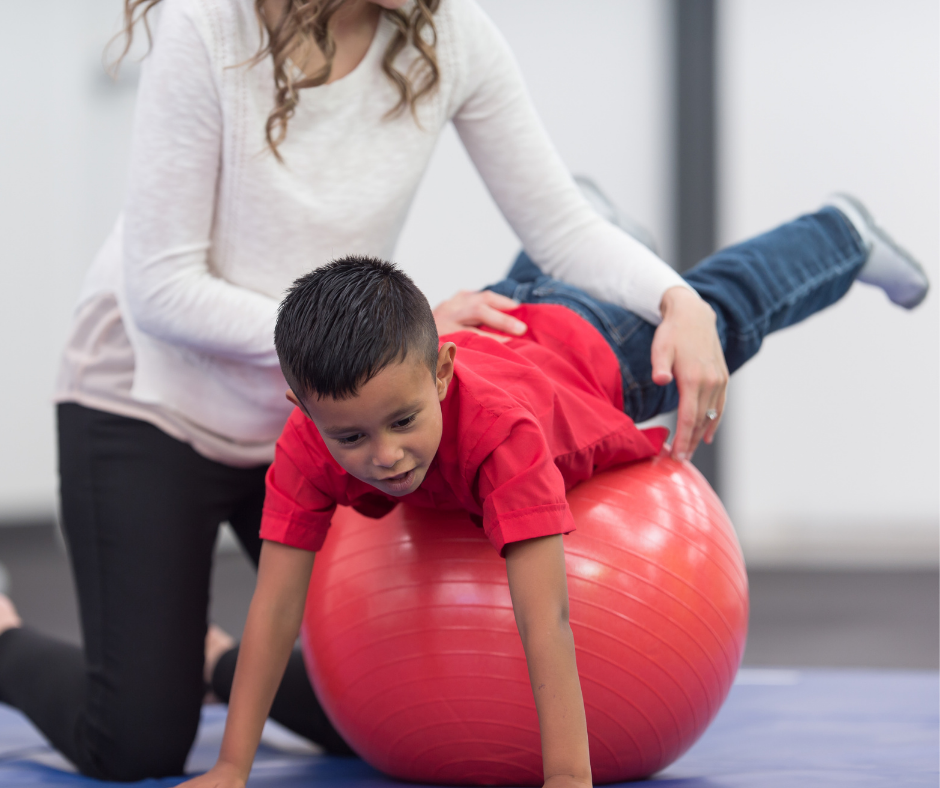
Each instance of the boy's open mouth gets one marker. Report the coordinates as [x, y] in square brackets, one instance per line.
[401, 481]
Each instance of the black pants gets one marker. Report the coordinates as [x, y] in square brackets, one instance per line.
[141, 512]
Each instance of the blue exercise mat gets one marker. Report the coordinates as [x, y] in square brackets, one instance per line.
[812, 729]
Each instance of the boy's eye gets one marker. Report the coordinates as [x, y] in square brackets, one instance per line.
[405, 422]
[349, 440]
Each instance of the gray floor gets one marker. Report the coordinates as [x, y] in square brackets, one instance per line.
[809, 618]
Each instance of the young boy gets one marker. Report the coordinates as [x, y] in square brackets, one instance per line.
[498, 426]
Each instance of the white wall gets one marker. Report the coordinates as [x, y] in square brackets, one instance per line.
[63, 148]
[831, 449]
[63, 143]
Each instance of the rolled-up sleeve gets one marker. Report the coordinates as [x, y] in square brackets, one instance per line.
[296, 512]
[521, 490]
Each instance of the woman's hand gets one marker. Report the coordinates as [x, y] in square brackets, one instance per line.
[222, 775]
[468, 309]
[686, 347]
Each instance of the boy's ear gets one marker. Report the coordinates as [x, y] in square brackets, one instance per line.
[292, 397]
[445, 368]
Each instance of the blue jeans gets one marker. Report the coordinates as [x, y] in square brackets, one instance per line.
[755, 287]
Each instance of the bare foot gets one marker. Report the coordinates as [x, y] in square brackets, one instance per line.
[9, 618]
[218, 641]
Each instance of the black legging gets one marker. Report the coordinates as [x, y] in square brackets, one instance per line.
[141, 512]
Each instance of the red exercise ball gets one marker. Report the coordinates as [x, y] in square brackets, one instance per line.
[413, 651]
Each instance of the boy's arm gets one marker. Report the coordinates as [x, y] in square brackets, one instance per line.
[273, 623]
[539, 590]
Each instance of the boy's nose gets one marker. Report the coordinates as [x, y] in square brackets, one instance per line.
[387, 455]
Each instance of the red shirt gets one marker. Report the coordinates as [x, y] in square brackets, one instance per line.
[524, 421]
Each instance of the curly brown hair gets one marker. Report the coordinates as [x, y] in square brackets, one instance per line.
[307, 22]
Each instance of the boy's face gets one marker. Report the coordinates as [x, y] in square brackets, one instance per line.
[389, 432]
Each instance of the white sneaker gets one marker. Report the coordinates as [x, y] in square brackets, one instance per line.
[889, 266]
[601, 203]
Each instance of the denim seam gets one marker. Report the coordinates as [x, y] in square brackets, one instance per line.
[636, 327]
[756, 325]
[521, 292]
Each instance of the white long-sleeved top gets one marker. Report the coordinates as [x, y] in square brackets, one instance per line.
[215, 228]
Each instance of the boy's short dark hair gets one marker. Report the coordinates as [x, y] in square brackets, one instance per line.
[343, 323]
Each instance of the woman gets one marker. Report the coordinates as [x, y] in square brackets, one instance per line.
[269, 136]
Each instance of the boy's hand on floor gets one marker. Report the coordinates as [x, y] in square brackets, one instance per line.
[566, 782]
[686, 348]
[219, 776]
[468, 309]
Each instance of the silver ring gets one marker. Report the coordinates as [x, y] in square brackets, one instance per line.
[711, 414]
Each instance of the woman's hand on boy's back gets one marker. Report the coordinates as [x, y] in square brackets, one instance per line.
[686, 348]
[467, 310]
